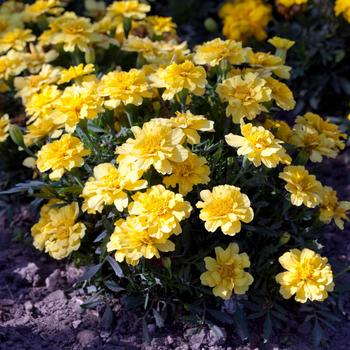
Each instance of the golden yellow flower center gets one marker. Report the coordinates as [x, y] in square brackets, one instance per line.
[226, 270]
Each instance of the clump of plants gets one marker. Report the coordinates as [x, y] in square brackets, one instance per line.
[169, 171]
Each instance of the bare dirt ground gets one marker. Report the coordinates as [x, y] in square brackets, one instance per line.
[40, 310]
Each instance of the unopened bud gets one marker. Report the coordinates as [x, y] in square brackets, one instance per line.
[210, 25]
[16, 135]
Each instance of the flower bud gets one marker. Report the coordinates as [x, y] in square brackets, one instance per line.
[210, 25]
[16, 135]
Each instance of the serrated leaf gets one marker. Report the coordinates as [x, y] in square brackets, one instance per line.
[114, 287]
[107, 317]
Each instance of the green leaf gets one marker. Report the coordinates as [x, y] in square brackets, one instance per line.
[221, 316]
[115, 266]
[24, 187]
[89, 273]
[114, 287]
[145, 333]
[317, 334]
[267, 329]
[107, 317]
[241, 323]
[158, 318]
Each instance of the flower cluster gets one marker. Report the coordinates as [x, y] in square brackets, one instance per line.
[144, 149]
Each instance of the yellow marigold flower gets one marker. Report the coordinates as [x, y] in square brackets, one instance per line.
[37, 57]
[16, 39]
[73, 32]
[124, 88]
[245, 18]
[162, 208]
[308, 276]
[157, 52]
[4, 127]
[128, 9]
[281, 94]
[191, 124]
[333, 209]
[108, 186]
[279, 128]
[160, 25]
[281, 43]
[58, 231]
[75, 72]
[11, 64]
[192, 171]
[245, 95]
[342, 7]
[214, 51]
[134, 238]
[259, 145]
[226, 274]
[41, 103]
[32, 12]
[290, 3]
[177, 77]
[27, 86]
[225, 207]
[61, 156]
[10, 22]
[76, 103]
[267, 63]
[157, 144]
[304, 188]
[318, 137]
[42, 127]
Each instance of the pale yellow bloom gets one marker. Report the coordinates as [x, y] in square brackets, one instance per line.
[73, 32]
[317, 137]
[76, 103]
[159, 25]
[41, 103]
[225, 207]
[245, 95]
[128, 9]
[279, 128]
[308, 276]
[134, 238]
[41, 7]
[123, 88]
[4, 127]
[177, 77]
[281, 43]
[16, 39]
[259, 146]
[157, 144]
[266, 63]
[162, 208]
[27, 86]
[304, 188]
[333, 209]
[215, 51]
[61, 156]
[226, 274]
[191, 124]
[75, 72]
[37, 57]
[108, 186]
[58, 232]
[12, 64]
[192, 171]
[281, 94]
